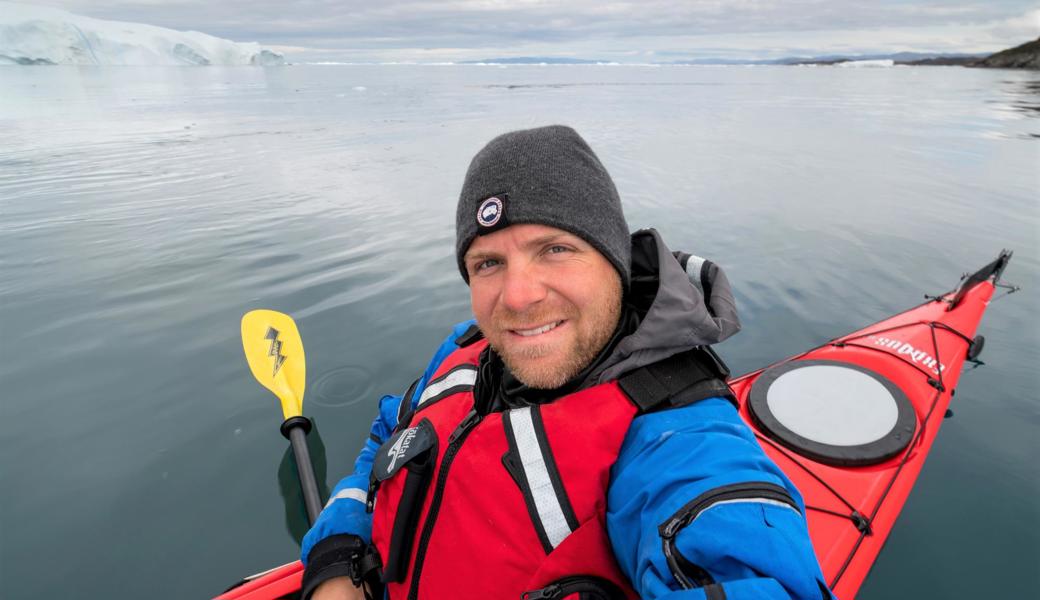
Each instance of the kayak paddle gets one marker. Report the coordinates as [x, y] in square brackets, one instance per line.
[274, 352]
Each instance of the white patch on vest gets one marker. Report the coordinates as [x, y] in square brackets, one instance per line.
[466, 376]
[693, 270]
[400, 447]
[546, 503]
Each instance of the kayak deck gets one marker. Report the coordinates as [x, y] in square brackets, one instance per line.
[922, 351]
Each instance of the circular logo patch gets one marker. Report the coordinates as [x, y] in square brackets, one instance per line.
[490, 212]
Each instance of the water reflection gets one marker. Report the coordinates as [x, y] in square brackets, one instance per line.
[289, 483]
[1024, 95]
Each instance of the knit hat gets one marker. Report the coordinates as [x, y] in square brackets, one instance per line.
[545, 176]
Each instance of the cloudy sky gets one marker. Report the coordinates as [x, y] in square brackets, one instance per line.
[617, 30]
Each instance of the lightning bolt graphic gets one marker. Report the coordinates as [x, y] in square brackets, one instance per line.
[276, 349]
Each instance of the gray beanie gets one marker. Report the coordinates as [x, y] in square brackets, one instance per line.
[545, 176]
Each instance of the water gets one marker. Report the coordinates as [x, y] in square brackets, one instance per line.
[144, 210]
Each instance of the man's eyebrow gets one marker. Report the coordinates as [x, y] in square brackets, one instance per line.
[533, 243]
[473, 255]
[546, 239]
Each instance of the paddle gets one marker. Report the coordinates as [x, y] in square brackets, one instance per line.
[274, 352]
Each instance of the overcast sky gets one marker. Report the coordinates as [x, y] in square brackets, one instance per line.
[622, 30]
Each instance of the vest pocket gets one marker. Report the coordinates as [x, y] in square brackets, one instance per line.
[418, 471]
[577, 587]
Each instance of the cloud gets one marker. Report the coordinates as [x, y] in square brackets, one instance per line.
[607, 28]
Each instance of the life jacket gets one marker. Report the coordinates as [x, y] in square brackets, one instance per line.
[512, 504]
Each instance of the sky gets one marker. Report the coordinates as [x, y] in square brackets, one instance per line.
[637, 31]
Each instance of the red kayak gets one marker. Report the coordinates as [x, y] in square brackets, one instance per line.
[850, 422]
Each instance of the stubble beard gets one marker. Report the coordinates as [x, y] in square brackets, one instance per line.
[523, 362]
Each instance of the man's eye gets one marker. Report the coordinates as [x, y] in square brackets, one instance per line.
[557, 249]
[484, 264]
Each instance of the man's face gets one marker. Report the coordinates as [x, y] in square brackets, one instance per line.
[546, 300]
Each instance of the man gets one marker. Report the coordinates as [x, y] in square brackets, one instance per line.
[580, 440]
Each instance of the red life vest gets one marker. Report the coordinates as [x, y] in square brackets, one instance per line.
[500, 506]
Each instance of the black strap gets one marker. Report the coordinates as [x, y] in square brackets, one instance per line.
[406, 402]
[678, 380]
[370, 571]
[469, 336]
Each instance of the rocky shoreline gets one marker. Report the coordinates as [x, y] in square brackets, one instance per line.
[1023, 56]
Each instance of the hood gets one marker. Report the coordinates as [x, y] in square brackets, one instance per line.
[683, 301]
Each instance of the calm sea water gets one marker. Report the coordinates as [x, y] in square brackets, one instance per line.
[144, 210]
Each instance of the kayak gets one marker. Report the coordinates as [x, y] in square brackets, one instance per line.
[850, 422]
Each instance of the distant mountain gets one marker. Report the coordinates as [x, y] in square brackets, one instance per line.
[899, 58]
[39, 35]
[1025, 56]
[534, 60]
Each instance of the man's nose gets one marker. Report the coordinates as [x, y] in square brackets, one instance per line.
[523, 287]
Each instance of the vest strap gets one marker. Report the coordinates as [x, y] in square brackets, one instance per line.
[468, 337]
[678, 380]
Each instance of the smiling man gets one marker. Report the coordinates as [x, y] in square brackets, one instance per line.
[545, 299]
[578, 440]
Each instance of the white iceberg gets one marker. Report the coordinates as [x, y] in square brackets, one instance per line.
[880, 63]
[39, 35]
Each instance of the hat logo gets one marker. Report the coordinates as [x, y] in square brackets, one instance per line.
[490, 212]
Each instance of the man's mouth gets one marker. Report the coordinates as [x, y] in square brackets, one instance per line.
[537, 330]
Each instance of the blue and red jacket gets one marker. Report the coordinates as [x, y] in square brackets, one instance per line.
[738, 523]
[691, 506]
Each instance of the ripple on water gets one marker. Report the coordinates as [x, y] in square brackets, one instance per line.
[342, 386]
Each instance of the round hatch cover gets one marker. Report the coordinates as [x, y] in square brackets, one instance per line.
[832, 412]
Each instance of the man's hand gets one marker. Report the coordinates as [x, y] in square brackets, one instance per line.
[338, 588]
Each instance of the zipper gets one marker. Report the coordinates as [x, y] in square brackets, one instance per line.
[599, 588]
[685, 572]
[455, 441]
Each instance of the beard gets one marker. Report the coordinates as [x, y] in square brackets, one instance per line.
[551, 364]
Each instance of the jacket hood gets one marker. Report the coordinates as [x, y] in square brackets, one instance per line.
[683, 301]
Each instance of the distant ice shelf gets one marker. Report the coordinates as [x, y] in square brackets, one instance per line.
[866, 64]
[39, 35]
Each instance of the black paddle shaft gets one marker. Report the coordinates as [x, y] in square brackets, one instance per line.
[296, 430]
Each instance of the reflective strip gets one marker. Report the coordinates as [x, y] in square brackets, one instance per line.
[550, 513]
[350, 493]
[747, 501]
[465, 376]
[693, 269]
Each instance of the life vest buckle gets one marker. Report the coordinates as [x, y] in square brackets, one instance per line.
[549, 592]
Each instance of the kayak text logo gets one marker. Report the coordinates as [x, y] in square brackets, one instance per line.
[275, 350]
[917, 356]
[400, 447]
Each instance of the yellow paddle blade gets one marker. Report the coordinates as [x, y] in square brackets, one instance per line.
[274, 351]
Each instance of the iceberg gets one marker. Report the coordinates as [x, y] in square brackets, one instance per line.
[866, 64]
[39, 35]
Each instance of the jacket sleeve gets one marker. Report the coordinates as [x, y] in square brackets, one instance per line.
[345, 513]
[696, 510]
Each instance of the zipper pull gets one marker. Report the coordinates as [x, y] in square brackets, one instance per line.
[468, 423]
[671, 528]
[549, 592]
